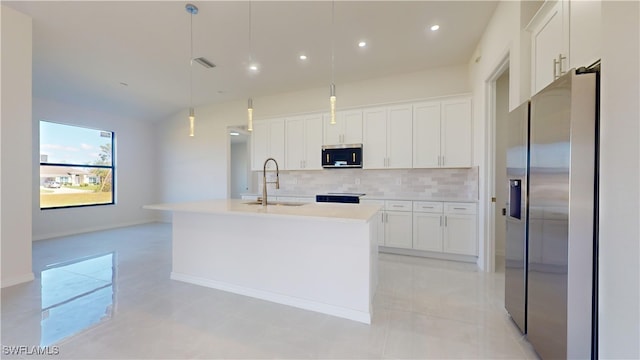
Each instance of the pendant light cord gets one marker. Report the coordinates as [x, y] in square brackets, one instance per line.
[191, 64]
[333, 4]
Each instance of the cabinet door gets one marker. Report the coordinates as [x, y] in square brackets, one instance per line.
[259, 144]
[399, 139]
[332, 133]
[426, 135]
[380, 228]
[460, 234]
[295, 143]
[276, 143]
[374, 146]
[313, 142]
[548, 40]
[585, 32]
[427, 231]
[398, 229]
[352, 133]
[456, 133]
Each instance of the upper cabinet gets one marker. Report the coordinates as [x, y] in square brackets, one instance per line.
[387, 137]
[442, 134]
[303, 144]
[564, 35]
[585, 31]
[346, 130]
[267, 140]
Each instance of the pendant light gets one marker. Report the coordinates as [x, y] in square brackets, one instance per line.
[192, 10]
[250, 101]
[332, 87]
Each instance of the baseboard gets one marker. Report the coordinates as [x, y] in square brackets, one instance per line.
[305, 304]
[15, 280]
[90, 229]
[428, 254]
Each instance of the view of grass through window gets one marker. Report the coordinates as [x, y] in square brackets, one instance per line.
[76, 166]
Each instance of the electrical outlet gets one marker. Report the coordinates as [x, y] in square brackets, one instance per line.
[398, 181]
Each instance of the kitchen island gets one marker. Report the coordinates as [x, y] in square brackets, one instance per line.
[315, 256]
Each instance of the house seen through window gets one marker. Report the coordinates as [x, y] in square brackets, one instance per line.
[76, 166]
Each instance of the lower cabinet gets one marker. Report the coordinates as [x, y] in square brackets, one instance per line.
[397, 229]
[445, 227]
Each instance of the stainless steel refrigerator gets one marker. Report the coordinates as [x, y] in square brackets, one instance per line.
[551, 249]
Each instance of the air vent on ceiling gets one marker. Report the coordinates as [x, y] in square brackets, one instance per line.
[204, 62]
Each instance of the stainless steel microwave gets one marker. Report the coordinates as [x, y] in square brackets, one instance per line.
[342, 156]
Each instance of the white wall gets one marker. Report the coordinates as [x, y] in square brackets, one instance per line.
[619, 308]
[135, 181]
[196, 168]
[15, 224]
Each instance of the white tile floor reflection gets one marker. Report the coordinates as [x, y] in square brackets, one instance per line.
[423, 309]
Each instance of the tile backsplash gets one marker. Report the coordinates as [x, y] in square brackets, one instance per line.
[455, 184]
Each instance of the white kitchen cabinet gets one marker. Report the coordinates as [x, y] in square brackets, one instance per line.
[442, 134]
[387, 137]
[379, 220]
[564, 35]
[427, 231]
[267, 140]
[460, 229]
[427, 226]
[303, 142]
[585, 32]
[398, 229]
[346, 130]
[426, 135]
[549, 30]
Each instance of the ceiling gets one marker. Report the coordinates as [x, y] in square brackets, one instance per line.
[85, 51]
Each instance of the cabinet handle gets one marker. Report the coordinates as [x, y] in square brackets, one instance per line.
[427, 207]
[555, 69]
[327, 158]
[397, 206]
[443, 160]
[445, 220]
[456, 208]
[381, 217]
[438, 160]
[353, 157]
[560, 58]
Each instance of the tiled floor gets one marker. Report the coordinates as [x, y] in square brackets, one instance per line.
[423, 309]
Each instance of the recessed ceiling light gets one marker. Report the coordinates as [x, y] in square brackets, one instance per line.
[233, 133]
[303, 57]
[434, 27]
[253, 67]
[362, 44]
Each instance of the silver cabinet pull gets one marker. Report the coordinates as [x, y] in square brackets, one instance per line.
[560, 58]
[456, 208]
[555, 68]
[445, 220]
[442, 160]
[438, 160]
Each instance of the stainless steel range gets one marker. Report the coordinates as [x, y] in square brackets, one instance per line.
[351, 198]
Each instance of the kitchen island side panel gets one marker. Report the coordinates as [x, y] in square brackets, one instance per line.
[319, 265]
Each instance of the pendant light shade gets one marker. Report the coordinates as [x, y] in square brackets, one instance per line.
[192, 120]
[332, 103]
[250, 115]
[192, 10]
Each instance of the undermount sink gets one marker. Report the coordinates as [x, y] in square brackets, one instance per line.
[276, 203]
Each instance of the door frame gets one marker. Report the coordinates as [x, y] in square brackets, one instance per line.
[490, 152]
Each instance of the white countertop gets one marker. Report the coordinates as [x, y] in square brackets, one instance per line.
[325, 211]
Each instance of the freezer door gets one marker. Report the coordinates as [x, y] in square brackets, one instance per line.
[561, 217]
[516, 233]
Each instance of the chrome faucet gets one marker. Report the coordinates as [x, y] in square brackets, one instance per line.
[264, 180]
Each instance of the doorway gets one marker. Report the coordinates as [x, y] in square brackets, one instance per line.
[239, 162]
[500, 167]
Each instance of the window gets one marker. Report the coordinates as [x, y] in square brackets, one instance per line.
[76, 166]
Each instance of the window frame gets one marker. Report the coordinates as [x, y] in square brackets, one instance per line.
[112, 167]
